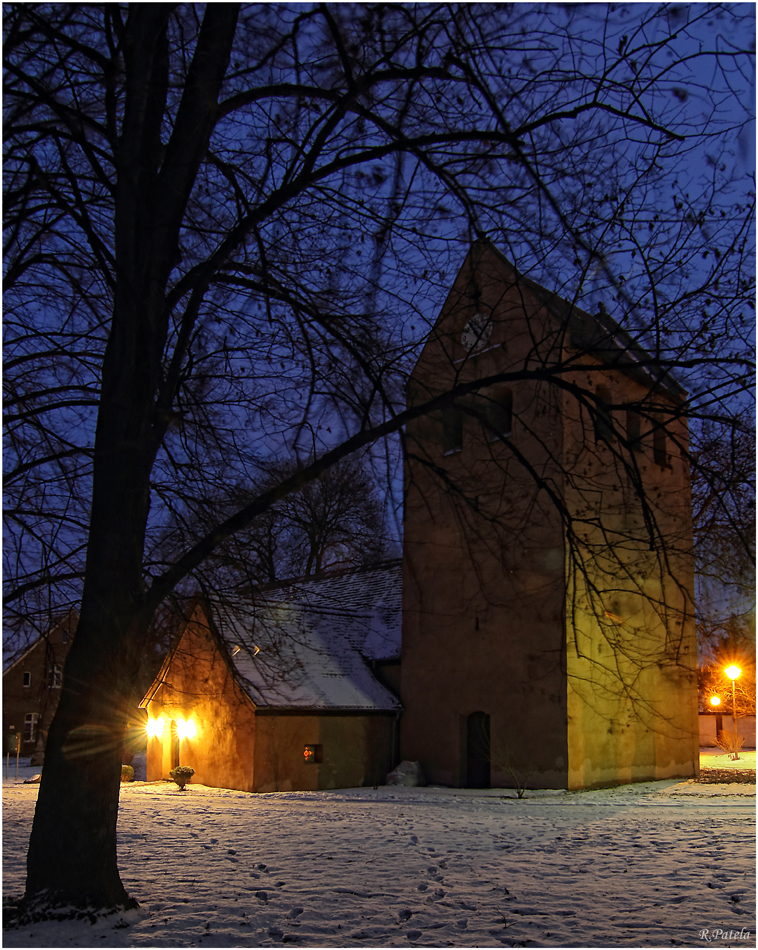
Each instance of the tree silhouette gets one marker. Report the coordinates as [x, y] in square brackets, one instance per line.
[227, 232]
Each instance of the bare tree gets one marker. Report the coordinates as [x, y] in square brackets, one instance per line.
[337, 520]
[723, 487]
[736, 647]
[228, 229]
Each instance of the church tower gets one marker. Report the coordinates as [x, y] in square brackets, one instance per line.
[548, 623]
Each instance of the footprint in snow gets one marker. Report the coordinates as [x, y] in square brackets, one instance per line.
[262, 896]
[295, 912]
[405, 914]
[414, 839]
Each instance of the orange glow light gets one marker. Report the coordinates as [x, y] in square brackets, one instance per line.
[715, 701]
[155, 726]
[186, 728]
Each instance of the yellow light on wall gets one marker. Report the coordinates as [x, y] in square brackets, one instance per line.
[155, 726]
[733, 672]
[715, 700]
[186, 728]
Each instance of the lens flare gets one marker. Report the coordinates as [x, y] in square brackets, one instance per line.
[186, 728]
[155, 726]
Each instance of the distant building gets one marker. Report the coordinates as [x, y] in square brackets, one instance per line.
[31, 689]
[545, 594]
[289, 689]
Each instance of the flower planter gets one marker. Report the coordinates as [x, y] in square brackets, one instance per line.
[181, 775]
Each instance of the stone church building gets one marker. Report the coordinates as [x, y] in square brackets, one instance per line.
[540, 629]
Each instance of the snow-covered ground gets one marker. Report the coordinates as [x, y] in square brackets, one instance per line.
[651, 865]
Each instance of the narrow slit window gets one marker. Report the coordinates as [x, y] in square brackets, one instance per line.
[660, 455]
[633, 427]
[452, 431]
[603, 415]
[27, 679]
[56, 676]
[499, 415]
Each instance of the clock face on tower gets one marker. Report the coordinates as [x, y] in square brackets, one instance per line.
[477, 332]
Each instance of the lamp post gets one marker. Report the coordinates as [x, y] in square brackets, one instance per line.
[733, 672]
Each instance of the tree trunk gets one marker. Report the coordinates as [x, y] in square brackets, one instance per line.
[72, 852]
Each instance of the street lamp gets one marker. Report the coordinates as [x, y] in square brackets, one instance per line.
[733, 672]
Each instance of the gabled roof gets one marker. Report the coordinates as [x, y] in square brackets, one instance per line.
[71, 619]
[597, 334]
[309, 644]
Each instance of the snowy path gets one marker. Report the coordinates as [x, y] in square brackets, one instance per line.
[644, 865]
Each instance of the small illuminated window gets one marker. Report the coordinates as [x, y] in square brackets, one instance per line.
[27, 679]
[312, 754]
[235, 649]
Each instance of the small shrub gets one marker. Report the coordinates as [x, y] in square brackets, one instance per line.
[127, 773]
[730, 743]
[181, 774]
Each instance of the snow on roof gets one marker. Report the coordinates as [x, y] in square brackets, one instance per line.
[308, 644]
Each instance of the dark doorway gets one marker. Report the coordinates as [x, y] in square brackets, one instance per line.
[478, 750]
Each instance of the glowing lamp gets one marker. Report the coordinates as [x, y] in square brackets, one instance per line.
[715, 700]
[186, 728]
[312, 754]
[155, 726]
[733, 672]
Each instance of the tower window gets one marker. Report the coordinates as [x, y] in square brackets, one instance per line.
[633, 430]
[603, 415]
[660, 456]
[452, 431]
[27, 679]
[56, 676]
[498, 415]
